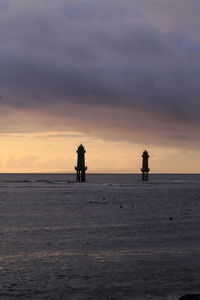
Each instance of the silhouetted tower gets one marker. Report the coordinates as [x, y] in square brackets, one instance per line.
[145, 167]
[81, 168]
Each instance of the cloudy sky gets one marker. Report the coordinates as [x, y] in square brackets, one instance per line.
[118, 76]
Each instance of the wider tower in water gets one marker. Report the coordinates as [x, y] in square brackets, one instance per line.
[80, 168]
[145, 167]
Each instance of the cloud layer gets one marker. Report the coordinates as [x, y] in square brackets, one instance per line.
[126, 70]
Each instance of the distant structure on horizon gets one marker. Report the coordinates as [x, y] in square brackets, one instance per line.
[145, 167]
[81, 168]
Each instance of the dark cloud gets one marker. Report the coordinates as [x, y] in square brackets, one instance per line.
[130, 66]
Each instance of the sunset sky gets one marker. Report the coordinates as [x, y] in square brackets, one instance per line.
[119, 76]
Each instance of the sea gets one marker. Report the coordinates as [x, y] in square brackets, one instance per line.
[112, 237]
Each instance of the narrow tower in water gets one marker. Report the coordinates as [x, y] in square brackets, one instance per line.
[80, 168]
[145, 167]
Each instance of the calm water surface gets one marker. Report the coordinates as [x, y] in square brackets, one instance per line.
[113, 237]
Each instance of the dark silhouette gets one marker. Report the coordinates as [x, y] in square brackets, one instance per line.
[81, 168]
[145, 168]
[190, 297]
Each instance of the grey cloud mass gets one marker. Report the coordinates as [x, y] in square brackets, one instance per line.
[130, 66]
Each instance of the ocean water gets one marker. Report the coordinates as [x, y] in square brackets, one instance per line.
[112, 237]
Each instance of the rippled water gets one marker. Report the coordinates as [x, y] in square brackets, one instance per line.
[113, 237]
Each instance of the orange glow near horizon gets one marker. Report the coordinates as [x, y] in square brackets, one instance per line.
[56, 152]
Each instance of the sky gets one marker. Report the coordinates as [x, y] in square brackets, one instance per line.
[119, 76]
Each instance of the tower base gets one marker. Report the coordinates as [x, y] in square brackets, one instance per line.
[80, 174]
[145, 176]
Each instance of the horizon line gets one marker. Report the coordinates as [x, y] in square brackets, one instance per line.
[104, 173]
